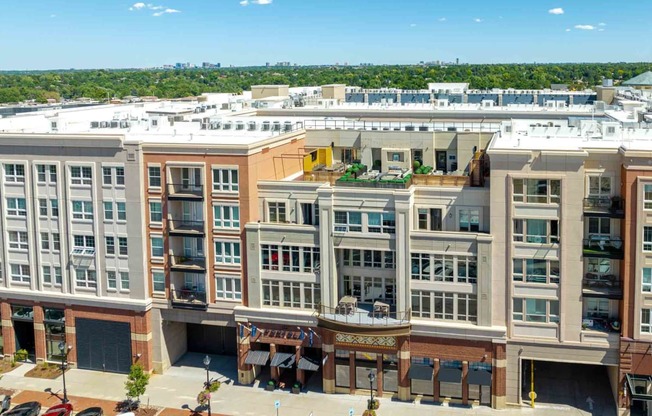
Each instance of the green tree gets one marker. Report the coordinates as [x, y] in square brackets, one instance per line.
[137, 382]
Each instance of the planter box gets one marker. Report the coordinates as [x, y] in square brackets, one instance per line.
[270, 387]
[296, 390]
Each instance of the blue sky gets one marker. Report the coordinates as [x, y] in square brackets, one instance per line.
[46, 34]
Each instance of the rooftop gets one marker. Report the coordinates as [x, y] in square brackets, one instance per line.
[644, 79]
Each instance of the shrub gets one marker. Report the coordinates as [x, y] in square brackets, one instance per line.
[137, 381]
[214, 386]
[416, 164]
[21, 355]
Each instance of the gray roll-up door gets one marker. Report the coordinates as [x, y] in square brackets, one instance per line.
[103, 345]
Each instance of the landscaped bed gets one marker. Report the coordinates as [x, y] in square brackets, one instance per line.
[45, 370]
[147, 411]
[6, 366]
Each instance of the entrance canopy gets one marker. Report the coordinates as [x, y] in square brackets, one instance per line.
[257, 357]
[421, 372]
[282, 360]
[308, 364]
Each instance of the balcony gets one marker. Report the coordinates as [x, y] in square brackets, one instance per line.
[189, 299]
[188, 264]
[185, 192]
[183, 227]
[603, 246]
[602, 286]
[604, 206]
[377, 320]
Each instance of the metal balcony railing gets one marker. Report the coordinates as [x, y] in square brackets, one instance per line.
[605, 205]
[183, 226]
[185, 263]
[603, 286]
[603, 246]
[184, 190]
[189, 299]
[361, 317]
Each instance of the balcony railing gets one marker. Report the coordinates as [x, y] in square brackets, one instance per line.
[600, 323]
[612, 206]
[188, 264]
[180, 226]
[358, 316]
[185, 191]
[189, 299]
[602, 286]
[603, 246]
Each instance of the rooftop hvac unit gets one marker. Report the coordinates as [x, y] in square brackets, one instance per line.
[104, 124]
[95, 124]
[114, 124]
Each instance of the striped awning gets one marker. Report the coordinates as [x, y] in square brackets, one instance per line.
[308, 364]
[282, 360]
[420, 372]
[450, 375]
[257, 357]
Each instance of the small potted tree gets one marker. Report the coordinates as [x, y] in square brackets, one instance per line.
[296, 387]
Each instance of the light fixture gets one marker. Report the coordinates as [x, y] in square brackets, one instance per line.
[207, 361]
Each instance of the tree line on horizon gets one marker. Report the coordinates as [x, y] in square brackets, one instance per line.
[102, 84]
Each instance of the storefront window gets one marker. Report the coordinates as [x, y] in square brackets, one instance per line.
[390, 372]
[342, 368]
[55, 333]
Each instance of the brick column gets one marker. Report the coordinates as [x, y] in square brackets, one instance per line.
[39, 334]
[300, 373]
[246, 374]
[141, 341]
[71, 337]
[273, 370]
[352, 372]
[465, 384]
[328, 372]
[499, 375]
[379, 375]
[435, 381]
[7, 330]
[403, 369]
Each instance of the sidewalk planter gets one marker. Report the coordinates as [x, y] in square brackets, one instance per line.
[271, 386]
[296, 388]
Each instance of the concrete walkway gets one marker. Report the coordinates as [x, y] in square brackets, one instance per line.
[179, 386]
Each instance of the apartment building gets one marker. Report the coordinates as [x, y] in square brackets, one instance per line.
[72, 265]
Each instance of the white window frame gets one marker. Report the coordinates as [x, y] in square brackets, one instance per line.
[14, 208]
[221, 211]
[519, 308]
[112, 280]
[600, 192]
[45, 241]
[228, 287]
[521, 187]
[18, 240]
[48, 176]
[223, 179]
[429, 218]
[109, 242]
[647, 196]
[274, 211]
[646, 321]
[108, 211]
[56, 242]
[85, 278]
[121, 211]
[20, 273]
[46, 271]
[348, 226]
[549, 276]
[84, 214]
[383, 227]
[123, 246]
[154, 254]
[159, 212]
[159, 272]
[524, 236]
[646, 280]
[84, 177]
[151, 177]
[125, 284]
[230, 258]
[13, 174]
[469, 212]
[647, 239]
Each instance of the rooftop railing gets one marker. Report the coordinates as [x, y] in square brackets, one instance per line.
[361, 317]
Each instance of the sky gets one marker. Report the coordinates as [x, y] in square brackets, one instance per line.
[51, 34]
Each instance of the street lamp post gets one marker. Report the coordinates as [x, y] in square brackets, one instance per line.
[372, 377]
[207, 362]
[64, 349]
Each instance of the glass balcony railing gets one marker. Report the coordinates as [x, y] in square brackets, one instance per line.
[612, 206]
[603, 246]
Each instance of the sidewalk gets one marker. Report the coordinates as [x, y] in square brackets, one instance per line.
[177, 389]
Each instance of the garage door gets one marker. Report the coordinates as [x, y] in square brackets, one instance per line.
[103, 345]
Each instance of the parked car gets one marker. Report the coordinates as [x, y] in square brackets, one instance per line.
[25, 409]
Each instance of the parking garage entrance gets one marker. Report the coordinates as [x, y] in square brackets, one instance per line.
[581, 386]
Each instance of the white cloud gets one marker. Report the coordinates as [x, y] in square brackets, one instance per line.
[244, 3]
[442, 19]
[556, 10]
[166, 11]
[137, 6]
[585, 27]
[568, 30]
[158, 9]
[602, 24]
[261, 2]
[477, 20]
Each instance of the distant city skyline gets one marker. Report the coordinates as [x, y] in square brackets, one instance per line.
[61, 34]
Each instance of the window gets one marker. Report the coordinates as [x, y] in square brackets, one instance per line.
[46, 173]
[289, 258]
[227, 252]
[646, 322]
[20, 273]
[124, 280]
[469, 220]
[600, 226]
[45, 241]
[119, 175]
[85, 278]
[228, 288]
[647, 238]
[107, 177]
[56, 242]
[291, 294]
[81, 175]
[646, 279]
[467, 270]
[429, 219]
[226, 216]
[225, 180]
[154, 176]
[535, 310]
[43, 207]
[82, 210]
[310, 259]
[444, 306]
[535, 271]
[84, 244]
[18, 240]
[647, 197]
[276, 211]
[54, 208]
[110, 245]
[371, 258]
[158, 281]
[47, 274]
[122, 243]
[58, 279]
[310, 214]
[14, 173]
[108, 211]
[420, 266]
[112, 282]
[599, 186]
[16, 207]
[121, 208]
[537, 191]
[381, 222]
[157, 246]
[346, 221]
[536, 231]
[155, 211]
